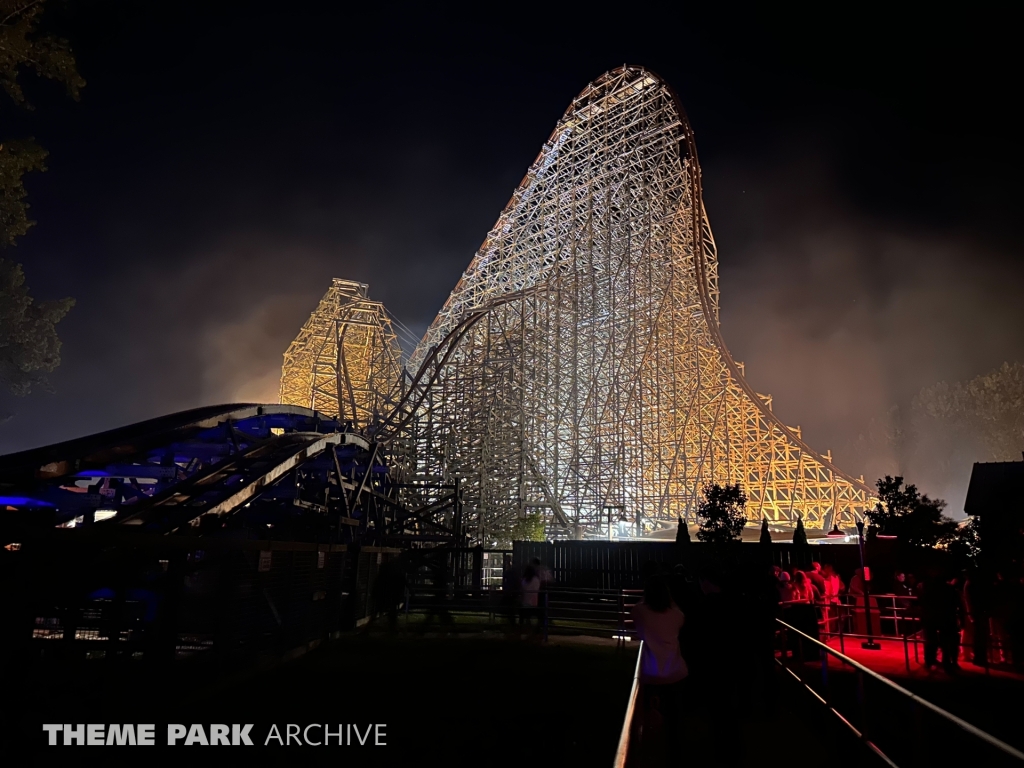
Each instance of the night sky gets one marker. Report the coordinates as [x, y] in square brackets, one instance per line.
[226, 160]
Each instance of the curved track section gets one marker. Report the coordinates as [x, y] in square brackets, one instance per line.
[250, 471]
[605, 394]
[59, 459]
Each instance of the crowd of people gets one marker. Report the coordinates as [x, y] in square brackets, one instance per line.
[716, 634]
[980, 615]
[816, 585]
[711, 638]
[967, 617]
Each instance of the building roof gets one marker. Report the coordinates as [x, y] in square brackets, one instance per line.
[996, 486]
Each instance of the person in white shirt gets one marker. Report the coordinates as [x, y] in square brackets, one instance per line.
[530, 587]
[657, 621]
[663, 669]
[530, 594]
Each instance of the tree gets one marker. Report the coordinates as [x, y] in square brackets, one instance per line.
[964, 544]
[23, 47]
[766, 535]
[988, 408]
[801, 549]
[29, 346]
[799, 534]
[721, 515]
[16, 159]
[682, 532]
[914, 519]
[529, 528]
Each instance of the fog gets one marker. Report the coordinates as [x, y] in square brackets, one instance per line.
[843, 317]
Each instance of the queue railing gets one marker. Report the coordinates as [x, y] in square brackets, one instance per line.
[894, 617]
[895, 726]
[626, 734]
[602, 612]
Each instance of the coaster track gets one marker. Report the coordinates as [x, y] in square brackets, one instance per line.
[594, 378]
[578, 371]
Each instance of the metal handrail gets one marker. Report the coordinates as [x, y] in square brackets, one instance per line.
[622, 753]
[905, 618]
[962, 724]
[559, 610]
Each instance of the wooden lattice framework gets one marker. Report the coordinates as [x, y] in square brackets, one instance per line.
[605, 390]
[346, 361]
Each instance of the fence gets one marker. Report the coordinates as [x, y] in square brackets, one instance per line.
[626, 734]
[601, 612]
[597, 564]
[161, 598]
[623, 564]
[894, 617]
[492, 570]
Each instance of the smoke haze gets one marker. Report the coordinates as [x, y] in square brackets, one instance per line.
[843, 316]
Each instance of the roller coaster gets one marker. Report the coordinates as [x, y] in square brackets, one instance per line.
[577, 372]
[578, 368]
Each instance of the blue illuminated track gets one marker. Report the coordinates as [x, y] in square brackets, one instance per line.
[231, 470]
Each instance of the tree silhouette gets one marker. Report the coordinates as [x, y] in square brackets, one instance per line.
[29, 346]
[913, 518]
[766, 536]
[721, 515]
[964, 544]
[799, 534]
[682, 532]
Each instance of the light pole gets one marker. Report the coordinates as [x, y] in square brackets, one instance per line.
[870, 643]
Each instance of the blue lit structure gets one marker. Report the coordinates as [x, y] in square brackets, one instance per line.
[228, 532]
[250, 471]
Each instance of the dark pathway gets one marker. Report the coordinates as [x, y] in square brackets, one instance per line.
[445, 702]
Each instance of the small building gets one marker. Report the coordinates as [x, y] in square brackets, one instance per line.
[996, 497]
